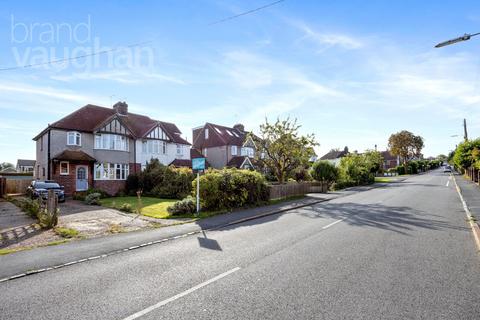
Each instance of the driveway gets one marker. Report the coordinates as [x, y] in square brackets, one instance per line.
[95, 220]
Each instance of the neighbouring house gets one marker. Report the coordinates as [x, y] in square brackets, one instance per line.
[99, 147]
[225, 146]
[335, 155]
[25, 165]
[389, 160]
[187, 163]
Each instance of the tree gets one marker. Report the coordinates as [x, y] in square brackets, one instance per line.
[406, 145]
[325, 172]
[373, 160]
[5, 165]
[282, 148]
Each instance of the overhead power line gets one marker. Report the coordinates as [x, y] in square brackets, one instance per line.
[245, 13]
[27, 66]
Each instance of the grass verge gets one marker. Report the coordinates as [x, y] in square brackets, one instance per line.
[66, 232]
[152, 207]
[17, 249]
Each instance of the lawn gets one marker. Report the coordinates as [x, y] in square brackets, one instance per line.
[383, 179]
[152, 207]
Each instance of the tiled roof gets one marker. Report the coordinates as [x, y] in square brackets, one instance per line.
[181, 163]
[91, 117]
[236, 162]
[388, 156]
[73, 155]
[334, 154]
[218, 136]
[25, 163]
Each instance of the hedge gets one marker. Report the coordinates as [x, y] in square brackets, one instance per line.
[161, 181]
[231, 188]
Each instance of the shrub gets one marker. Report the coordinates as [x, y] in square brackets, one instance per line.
[102, 193]
[66, 232]
[400, 170]
[126, 207]
[161, 181]
[302, 174]
[30, 207]
[93, 199]
[355, 170]
[231, 188]
[79, 195]
[325, 172]
[185, 206]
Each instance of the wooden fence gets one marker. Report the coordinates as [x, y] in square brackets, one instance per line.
[13, 186]
[282, 191]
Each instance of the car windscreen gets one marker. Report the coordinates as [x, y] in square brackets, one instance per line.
[49, 185]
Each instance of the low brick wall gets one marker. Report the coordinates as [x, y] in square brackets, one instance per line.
[112, 187]
[282, 191]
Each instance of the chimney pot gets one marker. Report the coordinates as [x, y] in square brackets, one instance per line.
[121, 108]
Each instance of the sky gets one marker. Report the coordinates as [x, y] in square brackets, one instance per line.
[350, 72]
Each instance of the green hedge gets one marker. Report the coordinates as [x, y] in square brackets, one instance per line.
[231, 188]
[161, 181]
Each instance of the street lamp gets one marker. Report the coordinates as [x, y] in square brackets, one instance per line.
[465, 37]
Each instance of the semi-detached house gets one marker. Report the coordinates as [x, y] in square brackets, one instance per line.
[99, 147]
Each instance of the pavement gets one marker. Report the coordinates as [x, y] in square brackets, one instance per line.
[397, 251]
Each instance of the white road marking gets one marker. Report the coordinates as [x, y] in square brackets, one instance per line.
[184, 293]
[448, 182]
[333, 223]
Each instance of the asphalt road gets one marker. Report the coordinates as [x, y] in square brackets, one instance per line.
[403, 251]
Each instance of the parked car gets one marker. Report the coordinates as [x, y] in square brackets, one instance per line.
[447, 169]
[40, 189]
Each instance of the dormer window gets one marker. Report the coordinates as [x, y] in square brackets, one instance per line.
[74, 138]
[206, 133]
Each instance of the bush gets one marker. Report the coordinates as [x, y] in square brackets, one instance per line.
[93, 199]
[161, 181]
[324, 171]
[355, 170]
[302, 174]
[400, 170]
[30, 207]
[231, 188]
[126, 207]
[102, 193]
[185, 206]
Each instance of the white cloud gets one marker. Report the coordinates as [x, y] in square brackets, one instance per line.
[326, 40]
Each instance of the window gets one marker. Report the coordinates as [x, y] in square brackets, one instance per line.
[41, 144]
[64, 168]
[248, 151]
[111, 142]
[179, 149]
[234, 150]
[205, 152]
[111, 171]
[43, 171]
[218, 130]
[74, 138]
[206, 133]
[262, 155]
[154, 146]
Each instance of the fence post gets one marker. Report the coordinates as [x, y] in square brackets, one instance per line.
[52, 204]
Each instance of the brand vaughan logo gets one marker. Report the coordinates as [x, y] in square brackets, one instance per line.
[65, 45]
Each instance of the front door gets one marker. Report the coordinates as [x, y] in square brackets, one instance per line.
[82, 178]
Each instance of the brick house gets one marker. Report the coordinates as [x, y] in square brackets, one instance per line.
[335, 155]
[99, 147]
[389, 160]
[225, 146]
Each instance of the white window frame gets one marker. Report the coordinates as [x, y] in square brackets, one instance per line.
[77, 138]
[68, 168]
[234, 150]
[111, 171]
[113, 142]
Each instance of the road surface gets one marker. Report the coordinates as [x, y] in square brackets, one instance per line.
[403, 251]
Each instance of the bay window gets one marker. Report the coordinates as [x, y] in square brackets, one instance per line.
[154, 146]
[248, 151]
[111, 142]
[111, 171]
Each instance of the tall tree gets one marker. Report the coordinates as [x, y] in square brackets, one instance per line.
[282, 149]
[5, 165]
[406, 145]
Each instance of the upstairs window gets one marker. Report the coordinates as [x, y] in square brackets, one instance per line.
[111, 142]
[154, 147]
[74, 138]
[234, 150]
[179, 149]
[248, 151]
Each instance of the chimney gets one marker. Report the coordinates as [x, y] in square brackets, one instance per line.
[345, 149]
[239, 127]
[121, 108]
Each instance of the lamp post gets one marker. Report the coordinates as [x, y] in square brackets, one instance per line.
[465, 37]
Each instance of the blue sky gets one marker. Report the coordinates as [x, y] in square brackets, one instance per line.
[351, 72]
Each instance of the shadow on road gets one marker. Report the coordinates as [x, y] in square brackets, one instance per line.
[207, 243]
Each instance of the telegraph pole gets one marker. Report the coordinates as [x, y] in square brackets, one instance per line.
[465, 135]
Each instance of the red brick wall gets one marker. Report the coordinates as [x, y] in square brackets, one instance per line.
[112, 187]
[135, 167]
[69, 181]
